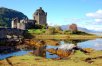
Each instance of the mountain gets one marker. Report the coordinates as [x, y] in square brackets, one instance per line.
[66, 27]
[6, 16]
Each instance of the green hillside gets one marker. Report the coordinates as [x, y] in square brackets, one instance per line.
[6, 16]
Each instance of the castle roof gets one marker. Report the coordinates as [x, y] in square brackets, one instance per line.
[39, 11]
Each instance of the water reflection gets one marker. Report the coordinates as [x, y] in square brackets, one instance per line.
[73, 41]
[50, 55]
[54, 44]
[40, 51]
[95, 44]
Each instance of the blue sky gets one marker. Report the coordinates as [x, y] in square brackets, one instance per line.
[84, 13]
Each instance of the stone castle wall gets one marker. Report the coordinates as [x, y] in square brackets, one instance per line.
[42, 20]
[40, 17]
[8, 33]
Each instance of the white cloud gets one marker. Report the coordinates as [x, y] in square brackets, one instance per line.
[75, 20]
[98, 20]
[97, 28]
[94, 27]
[96, 15]
[52, 23]
[92, 20]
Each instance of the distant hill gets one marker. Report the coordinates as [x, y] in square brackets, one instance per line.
[6, 16]
[66, 27]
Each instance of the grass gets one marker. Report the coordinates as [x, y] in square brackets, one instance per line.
[79, 56]
[41, 34]
[31, 60]
[55, 32]
[65, 36]
[36, 31]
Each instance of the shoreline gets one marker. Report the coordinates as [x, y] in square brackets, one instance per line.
[76, 37]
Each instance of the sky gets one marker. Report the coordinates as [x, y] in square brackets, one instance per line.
[84, 13]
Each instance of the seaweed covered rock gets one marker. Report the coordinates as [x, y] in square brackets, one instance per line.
[34, 43]
[88, 50]
[61, 53]
[53, 51]
[52, 42]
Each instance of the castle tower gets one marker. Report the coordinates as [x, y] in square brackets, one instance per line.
[14, 23]
[40, 16]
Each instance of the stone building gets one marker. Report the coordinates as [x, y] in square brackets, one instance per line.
[14, 22]
[39, 17]
[19, 24]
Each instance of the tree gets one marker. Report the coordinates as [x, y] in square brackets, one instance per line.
[73, 28]
[6, 16]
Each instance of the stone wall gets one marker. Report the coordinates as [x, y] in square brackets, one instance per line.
[10, 33]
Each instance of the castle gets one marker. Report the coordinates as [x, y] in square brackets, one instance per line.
[39, 17]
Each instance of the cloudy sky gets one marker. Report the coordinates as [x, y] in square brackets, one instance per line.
[84, 13]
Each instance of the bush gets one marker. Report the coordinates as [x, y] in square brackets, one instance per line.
[36, 31]
[50, 30]
[67, 32]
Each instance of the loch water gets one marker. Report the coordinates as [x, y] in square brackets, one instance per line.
[94, 44]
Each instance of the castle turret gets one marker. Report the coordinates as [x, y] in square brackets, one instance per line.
[40, 16]
[14, 23]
